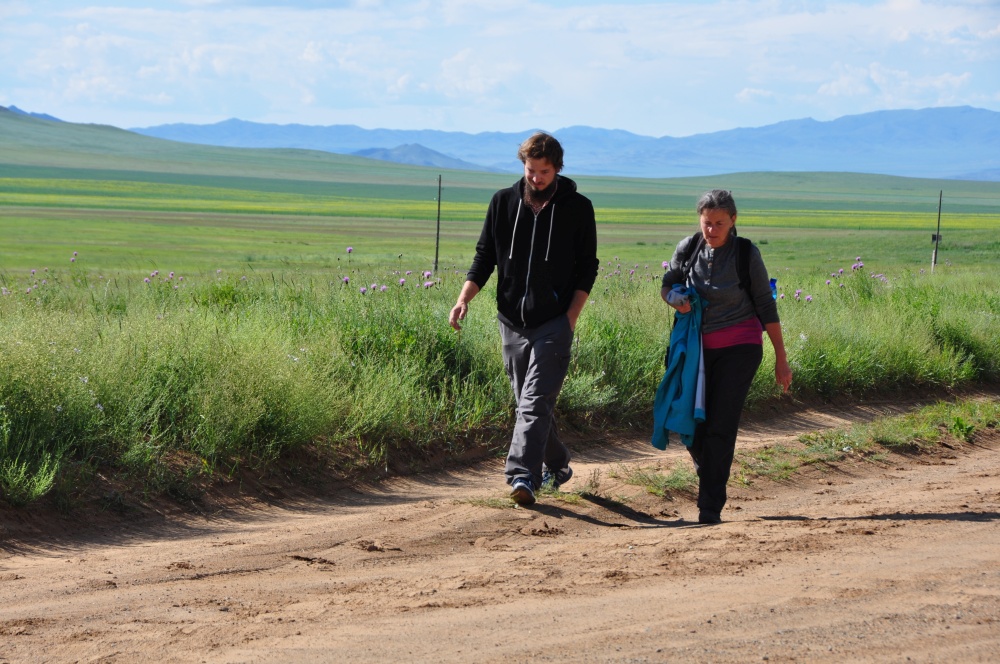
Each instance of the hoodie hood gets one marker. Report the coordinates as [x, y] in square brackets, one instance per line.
[564, 187]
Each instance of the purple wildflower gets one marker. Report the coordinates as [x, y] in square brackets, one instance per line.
[74, 253]
[409, 272]
[782, 296]
[350, 249]
[72, 260]
[809, 298]
[146, 280]
[402, 282]
[347, 280]
[666, 264]
[840, 271]
[363, 290]
[428, 284]
[428, 274]
[827, 282]
[384, 288]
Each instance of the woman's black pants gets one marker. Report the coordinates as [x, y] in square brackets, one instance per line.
[728, 375]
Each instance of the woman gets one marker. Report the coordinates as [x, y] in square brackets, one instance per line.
[733, 318]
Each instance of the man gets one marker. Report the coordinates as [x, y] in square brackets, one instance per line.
[541, 236]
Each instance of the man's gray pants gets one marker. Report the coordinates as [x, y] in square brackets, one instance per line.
[536, 361]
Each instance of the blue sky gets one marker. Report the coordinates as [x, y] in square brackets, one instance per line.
[656, 68]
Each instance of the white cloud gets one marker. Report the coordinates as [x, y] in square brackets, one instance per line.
[851, 82]
[469, 73]
[160, 99]
[654, 68]
[747, 95]
[313, 53]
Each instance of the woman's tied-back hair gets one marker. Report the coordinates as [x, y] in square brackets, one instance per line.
[542, 146]
[717, 199]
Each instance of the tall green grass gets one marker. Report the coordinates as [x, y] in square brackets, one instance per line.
[114, 371]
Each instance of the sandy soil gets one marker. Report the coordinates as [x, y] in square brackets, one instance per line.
[896, 560]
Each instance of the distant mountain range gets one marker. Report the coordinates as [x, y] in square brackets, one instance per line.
[952, 143]
[415, 154]
[40, 116]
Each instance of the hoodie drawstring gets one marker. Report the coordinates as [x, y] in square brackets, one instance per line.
[513, 235]
[552, 222]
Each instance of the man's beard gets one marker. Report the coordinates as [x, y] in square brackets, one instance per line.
[539, 197]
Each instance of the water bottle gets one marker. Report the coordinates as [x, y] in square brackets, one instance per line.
[774, 289]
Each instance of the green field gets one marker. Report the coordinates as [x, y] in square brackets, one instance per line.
[129, 202]
[171, 310]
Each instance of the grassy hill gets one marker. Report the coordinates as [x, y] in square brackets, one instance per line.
[59, 150]
[134, 200]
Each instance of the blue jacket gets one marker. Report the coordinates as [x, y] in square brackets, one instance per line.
[679, 405]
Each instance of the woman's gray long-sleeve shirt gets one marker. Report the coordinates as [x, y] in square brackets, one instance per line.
[714, 276]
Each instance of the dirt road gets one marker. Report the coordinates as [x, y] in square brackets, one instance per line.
[897, 560]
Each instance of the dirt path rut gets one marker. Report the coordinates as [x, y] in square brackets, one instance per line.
[891, 561]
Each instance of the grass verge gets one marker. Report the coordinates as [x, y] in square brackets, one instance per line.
[947, 424]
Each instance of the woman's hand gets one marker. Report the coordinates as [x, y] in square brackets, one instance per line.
[783, 373]
[683, 308]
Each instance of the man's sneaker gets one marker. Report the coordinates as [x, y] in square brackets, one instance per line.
[553, 480]
[522, 493]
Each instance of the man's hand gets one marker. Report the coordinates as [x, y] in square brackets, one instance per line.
[458, 313]
[461, 308]
[575, 307]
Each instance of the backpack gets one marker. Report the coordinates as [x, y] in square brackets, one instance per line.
[742, 258]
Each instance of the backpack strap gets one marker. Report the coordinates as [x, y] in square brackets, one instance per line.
[743, 246]
[690, 254]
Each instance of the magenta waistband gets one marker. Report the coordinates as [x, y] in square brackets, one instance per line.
[744, 332]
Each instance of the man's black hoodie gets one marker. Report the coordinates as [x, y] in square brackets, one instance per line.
[541, 261]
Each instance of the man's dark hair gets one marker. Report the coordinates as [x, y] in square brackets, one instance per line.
[717, 199]
[542, 146]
